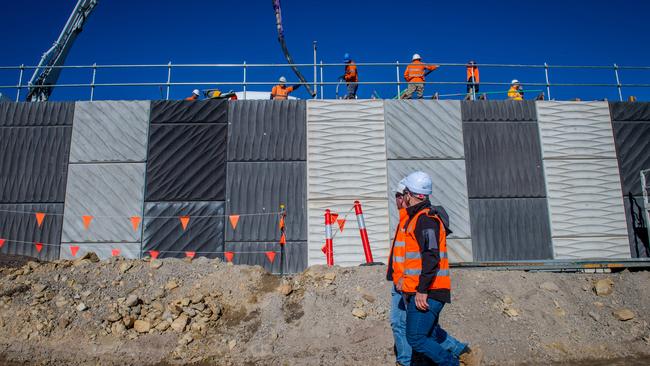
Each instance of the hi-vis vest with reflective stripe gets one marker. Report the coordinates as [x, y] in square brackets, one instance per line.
[413, 259]
[398, 250]
[280, 92]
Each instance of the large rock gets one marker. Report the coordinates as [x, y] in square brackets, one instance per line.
[180, 323]
[125, 266]
[132, 300]
[359, 313]
[142, 326]
[604, 287]
[623, 314]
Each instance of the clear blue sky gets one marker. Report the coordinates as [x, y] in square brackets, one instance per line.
[208, 31]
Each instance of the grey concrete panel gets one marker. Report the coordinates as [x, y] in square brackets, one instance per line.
[630, 111]
[187, 162]
[36, 114]
[111, 193]
[19, 228]
[503, 160]
[261, 187]
[510, 229]
[33, 164]
[183, 111]
[254, 254]
[267, 130]
[111, 131]
[423, 129]
[103, 250]
[204, 233]
[633, 152]
[498, 110]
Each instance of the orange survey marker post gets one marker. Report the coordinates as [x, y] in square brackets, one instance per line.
[328, 249]
[364, 234]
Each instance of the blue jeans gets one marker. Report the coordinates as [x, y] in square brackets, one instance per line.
[398, 324]
[424, 334]
[352, 90]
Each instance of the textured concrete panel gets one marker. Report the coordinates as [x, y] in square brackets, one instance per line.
[267, 130]
[637, 248]
[187, 162]
[630, 111]
[103, 250]
[36, 114]
[261, 187]
[183, 111]
[19, 228]
[585, 198]
[575, 130]
[591, 247]
[112, 193]
[423, 129]
[449, 190]
[459, 250]
[498, 110]
[110, 131]
[254, 254]
[633, 152]
[510, 229]
[345, 111]
[347, 158]
[204, 233]
[348, 249]
[33, 164]
[503, 160]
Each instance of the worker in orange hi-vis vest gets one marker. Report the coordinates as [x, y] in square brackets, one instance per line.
[281, 91]
[473, 77]
[415, 75]
[351, 77]
[515, 92]
[195, 95]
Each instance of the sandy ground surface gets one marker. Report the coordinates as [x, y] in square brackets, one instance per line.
[205, 312]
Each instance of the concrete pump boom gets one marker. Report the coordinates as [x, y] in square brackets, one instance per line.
[47, 73]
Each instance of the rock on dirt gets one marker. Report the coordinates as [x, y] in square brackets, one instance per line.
[604, 287]
[623, 314]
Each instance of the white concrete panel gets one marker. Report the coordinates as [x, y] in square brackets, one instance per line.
[345, 110]
[594, 247]
[459, 250]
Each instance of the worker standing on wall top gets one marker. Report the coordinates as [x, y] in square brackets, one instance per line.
[415, 74]
[473, 77]
[351, 77]
[426, 279]
[195, 95]
[515, 92]
[281, 91]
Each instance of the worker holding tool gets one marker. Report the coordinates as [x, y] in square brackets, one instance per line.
[515, 92]
[351, 77]
[414, 75]
[195, 95]
[473, 78]
[280, 91]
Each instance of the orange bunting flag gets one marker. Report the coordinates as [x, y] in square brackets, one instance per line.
[39, 247]
[184, 221]
[229, 256]
[324, 249]
[154, 253]
[234, 219]
[87, 220]
[115, 252]
[270, 256]
[283, 239]
[73, 250]
[281, 222]
[135, 222]
[2, 242]
[341, 223]
[190, 254]
[39, 218]
[334, 216]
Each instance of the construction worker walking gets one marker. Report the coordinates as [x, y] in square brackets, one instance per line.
[415, 75]
[195, 95]
[473, 78]
[515, 92]
[281, 91]
[351, 77]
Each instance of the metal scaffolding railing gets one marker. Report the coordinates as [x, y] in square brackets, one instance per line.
[320, 82]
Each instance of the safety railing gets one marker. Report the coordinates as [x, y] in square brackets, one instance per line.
[320, 81]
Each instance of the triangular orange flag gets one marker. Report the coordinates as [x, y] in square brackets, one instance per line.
[74, 249]
[270, 256]
[334, 216]
[190, 254]
[283, 239]
[39, 218]
[281, 222]
[229, 256]
[324, 249]
[154, 253]
[341, 223]
[115, 252]
[39, 247]
[135, 222]
[234, 219]
[87, 220]
[184, 221]
[2, 242]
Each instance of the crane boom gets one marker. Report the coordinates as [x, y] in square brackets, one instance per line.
[46, 73]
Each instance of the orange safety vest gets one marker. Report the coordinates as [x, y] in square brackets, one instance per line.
[398, 249]
[414, 72]
[515, 94]
[192, 97]
[280, 92]
[473, 71]
[413, 259]
[351, 74]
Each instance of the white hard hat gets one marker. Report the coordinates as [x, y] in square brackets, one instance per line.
[514, 81]
[418, 182]
[399, 188]
[283, 79]
[416, 56]
[196, 92]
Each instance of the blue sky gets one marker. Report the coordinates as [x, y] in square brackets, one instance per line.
[512, 32]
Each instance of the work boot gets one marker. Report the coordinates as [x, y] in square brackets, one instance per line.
[471, 356]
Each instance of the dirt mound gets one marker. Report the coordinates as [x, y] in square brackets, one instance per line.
[13, 261]
[162, 312]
